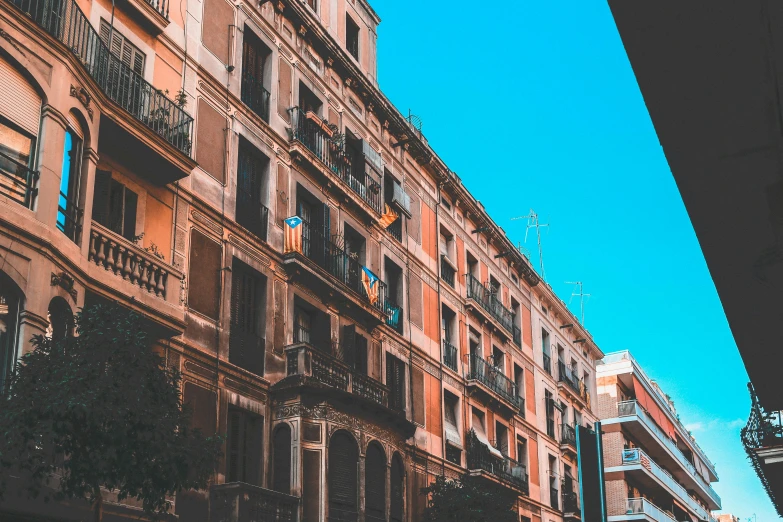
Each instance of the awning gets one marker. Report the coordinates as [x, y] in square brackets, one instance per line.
[652, 408]
[478, 428]
[452, 435]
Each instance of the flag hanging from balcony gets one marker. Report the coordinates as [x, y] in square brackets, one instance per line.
[389, 216]
[293, 235]
[370, 282]
[392, 316]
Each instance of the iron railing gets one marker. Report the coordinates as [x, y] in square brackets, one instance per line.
[65, 21]
[568, 435]
[489, 301]
[330, 148]
[450, 356]
[393, 314]
[331, 369]
[479, 457]
[491, 377]
[342, 266]
[570, 502]
[17, 181]
[395, 229]
[69, 217]
[517, 336]
[246, 350]
[241, 502]
[255, 96]
[447, 272]
[547, 364]
[642, 506]
[763, 430]
[554, 497]
[566, 375]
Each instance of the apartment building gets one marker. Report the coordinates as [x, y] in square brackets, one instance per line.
[654, 468]
[340, 306]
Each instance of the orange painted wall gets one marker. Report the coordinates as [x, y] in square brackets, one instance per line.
[168, 69]
[429, 236]
[527, 327]
[484, 271]
[460, 257]
[434, 421]
[530, 396]
[533, 460]
[431, 315]
[157, 226]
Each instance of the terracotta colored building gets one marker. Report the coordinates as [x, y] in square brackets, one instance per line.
[653, 466]
[390, 334]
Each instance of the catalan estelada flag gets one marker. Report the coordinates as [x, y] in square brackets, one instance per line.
[293, 235]
[389, 216]
[370, 282]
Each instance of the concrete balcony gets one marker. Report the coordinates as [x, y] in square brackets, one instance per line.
[240, 502]
[568, 439]
[645, 471]
[633, 418]
[642, 509]
[573, 385]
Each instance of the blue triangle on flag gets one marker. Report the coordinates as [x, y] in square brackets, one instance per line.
[293, 221]
[372, 277]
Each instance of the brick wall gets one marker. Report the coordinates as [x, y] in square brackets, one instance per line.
[606, 406]
[616, 496]
[613, 449]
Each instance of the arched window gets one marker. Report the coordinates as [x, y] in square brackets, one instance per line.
[375, 483]
[68, 210]
[60, 319]
[343, 478]
[281, 469]
[397, 489]
[10, 303]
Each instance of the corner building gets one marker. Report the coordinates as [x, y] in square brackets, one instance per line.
[653, 466]
[154, 161]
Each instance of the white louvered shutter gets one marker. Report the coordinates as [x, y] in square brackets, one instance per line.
[19, 102]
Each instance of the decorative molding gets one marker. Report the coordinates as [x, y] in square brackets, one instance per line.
[84, 97]
[527, 431]
[249, 250]
[199, 370]
[432, 370]
[244, 389]
[66, 282]
[204, 220]
[5, 36]
[396, 348]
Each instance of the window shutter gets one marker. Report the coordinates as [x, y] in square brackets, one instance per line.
[234, 427]
[397, 489]
[349, 345]
[361, 354]
[206, 259]
[116, 200]
[284, 90]
[343, 483]
[129, 221]
[282, 460]
[100, 197]
[375, 483]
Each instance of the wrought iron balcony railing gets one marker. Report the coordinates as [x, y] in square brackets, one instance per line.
[328, 368]
[69, 217]
[246, 350]
[568, 435]
[395, 229]
[17, 181]
[566, 375]
[489, 301]
[393, 314]
[65, 21]
[342, 266]
[637, 456]
[330, 149]
[570, 502]
[547, 364]
[479, 457]
[241, 502]
[450, 356]
[763, 430]
[255, 96]
[447, 271]
[491, 377]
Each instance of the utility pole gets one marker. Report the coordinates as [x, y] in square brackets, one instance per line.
[532, 222]
[581, 296]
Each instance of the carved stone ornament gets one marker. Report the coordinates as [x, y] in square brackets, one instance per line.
[65, 282]
[83, 96]
[302, 30]
[330, 61]
[348, 82]
[279, 6]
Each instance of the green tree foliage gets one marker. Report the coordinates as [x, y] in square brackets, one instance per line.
[470, 499]
[101, 410]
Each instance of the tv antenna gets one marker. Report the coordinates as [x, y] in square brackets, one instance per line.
[581, 296]
[532, 222]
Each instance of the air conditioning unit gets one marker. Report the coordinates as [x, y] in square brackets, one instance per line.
[402, 200]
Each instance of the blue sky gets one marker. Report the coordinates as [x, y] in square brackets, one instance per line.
[535, 105]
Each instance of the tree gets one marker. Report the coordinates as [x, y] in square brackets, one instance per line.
[101, 410]
[469, 499]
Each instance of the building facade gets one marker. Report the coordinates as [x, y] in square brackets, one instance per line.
[654, 468]
[152, 153]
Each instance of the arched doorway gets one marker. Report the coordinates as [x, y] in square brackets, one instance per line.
[375, 483]
[10, 304]
[343, 478]
[60, 319]
[281, 468]
[397, 489]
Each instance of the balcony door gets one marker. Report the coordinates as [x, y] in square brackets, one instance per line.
[343, 478]
[246, 341]
[395, 380]
[252, 168]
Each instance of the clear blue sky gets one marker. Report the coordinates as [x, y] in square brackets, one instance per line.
[535, 105]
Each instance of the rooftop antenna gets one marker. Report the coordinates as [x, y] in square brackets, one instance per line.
[532, 222]
[581, 296]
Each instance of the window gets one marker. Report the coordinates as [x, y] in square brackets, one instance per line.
[16, 151]
[519, 381]
[302, 325]
[281, 468]
[554, 497]
[60, 319]
[355, 249]
[451, 427]
[395, 381]
[394, 294]
[246, 341]
[501, 438]
[521, 450]
[395, 229]
[114, 205]
[67, 208]
[244, 447]
[252, 175]
[397, 489]
[128, 53]
[473, 268]
[353, 349]
[351, 36]
[308, 101]
[343, 477]
[206, 260]
[545, 348]
[255, 75]
[549, 404]
[375, 482]
[10, 300]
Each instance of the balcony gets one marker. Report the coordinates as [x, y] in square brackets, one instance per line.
[395, 229]
[450, 356]
[153, 14]
[246, 350]
[517, 336]
[547, 364]
[554, 494]
[647, 472]
[763, 441]
[240, 502]
[571, 507]
[330, 371]
[568, 438]
[493, 381]
[489, 303]
[632, 417]
[320, 256]
[148, 106]
[642, 506]
[315, 140]
[255, 96]
[393, 315]
[481, 461]
[17, 181]
[133, 265]
[447, 271]
[566, 378]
